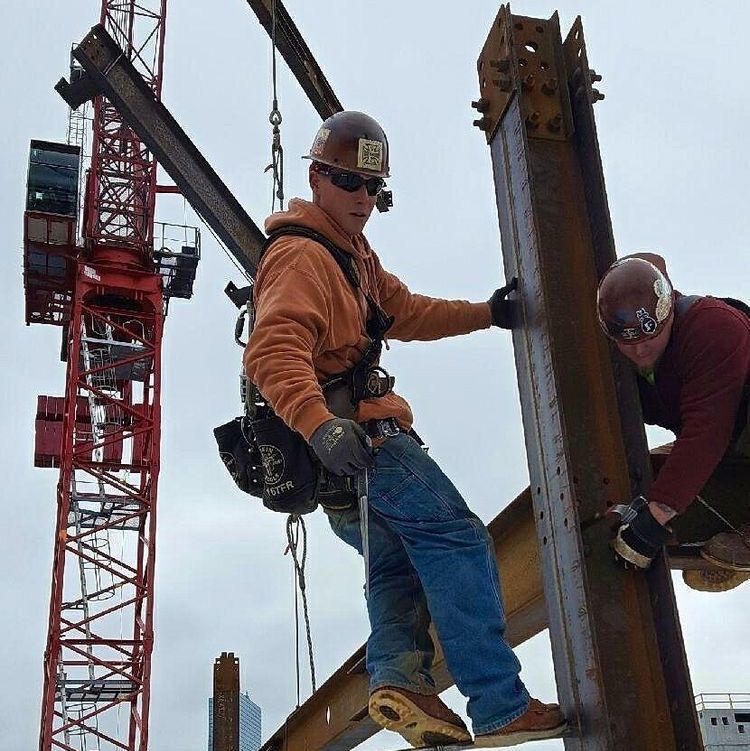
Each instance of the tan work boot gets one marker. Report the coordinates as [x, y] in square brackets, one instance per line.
[540, 721]
[421, 720]
[714, 580]
[729, 550]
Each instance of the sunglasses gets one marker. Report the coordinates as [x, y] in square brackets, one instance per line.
[351, 181]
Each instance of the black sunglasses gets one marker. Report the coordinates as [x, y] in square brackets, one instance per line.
[351, 181]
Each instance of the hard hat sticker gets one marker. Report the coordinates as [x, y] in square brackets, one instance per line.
[663, 292]
[320, 141]
[370, 155]
[648, 324]
[630, 333]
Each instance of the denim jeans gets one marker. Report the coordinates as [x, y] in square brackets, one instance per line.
[432, 558]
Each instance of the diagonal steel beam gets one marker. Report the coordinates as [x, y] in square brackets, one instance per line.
[110, 73]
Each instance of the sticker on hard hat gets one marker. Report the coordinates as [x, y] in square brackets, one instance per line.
[630, 333]
[370, 155]
[320, 142]
[663, 293]
[648, 324]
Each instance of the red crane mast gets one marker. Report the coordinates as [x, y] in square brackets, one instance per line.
[109, 293]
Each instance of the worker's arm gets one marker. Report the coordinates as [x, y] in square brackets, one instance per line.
[717, 354]
[423, 318]
[292, 317]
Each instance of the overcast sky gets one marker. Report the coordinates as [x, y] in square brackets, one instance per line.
[673, 134]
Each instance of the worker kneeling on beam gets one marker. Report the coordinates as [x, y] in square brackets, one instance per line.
[692, 354]
[322, 302]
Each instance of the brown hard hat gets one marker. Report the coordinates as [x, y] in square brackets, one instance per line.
[352, 141]
[634, 300]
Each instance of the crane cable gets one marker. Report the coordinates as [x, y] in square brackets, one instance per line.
[277, 150]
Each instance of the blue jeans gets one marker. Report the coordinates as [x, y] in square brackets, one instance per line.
[432, 558]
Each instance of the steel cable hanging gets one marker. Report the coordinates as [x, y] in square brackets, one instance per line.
[277, 150]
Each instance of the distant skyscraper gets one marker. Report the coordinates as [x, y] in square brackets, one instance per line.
[237, 717]
[250, 724]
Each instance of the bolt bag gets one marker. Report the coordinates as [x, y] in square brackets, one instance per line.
[270, 461]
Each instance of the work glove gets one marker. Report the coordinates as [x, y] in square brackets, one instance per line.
[639, 537]
[502, 308]
[342, 446]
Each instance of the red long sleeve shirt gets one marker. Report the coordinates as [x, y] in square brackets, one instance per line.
[700, 382]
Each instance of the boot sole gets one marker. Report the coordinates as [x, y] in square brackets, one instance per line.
[395, 712]
[522, 736]
[726, 565]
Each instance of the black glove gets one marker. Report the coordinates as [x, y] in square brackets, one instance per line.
[639, 540]
[502, 308]
[342, 446]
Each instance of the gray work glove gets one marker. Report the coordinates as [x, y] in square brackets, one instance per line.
[342, 446]
[503, 309]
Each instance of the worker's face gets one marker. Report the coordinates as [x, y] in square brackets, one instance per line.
[349, 210]
[645, 353]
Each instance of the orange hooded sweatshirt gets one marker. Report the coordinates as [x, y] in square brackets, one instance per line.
[310, 322]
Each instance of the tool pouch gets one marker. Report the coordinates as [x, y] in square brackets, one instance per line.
[291, 473]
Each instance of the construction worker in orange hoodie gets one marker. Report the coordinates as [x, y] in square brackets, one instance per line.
[430, 558]
[692, 356]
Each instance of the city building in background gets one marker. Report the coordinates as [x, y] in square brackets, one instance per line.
[724, 721]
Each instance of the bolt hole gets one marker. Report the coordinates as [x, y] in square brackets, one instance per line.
[562, 496]
[328, 715]
[540, 29]
[541, 514]
[531, 47]
[518, 26]
[580, 52]
[538, 490]
[605, 480]
[522, 62]
[484, 82]
[502, 40]
[544, 540]
[544, 65]
[558, 470]
[565, 522]
[577, 35]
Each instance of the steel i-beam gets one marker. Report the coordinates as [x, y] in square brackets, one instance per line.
[109, 72]
[620, 665]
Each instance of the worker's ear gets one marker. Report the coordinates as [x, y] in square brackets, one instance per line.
[314, 177]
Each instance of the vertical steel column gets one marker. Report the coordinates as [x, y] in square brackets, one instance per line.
[226, 703]
[613, 637]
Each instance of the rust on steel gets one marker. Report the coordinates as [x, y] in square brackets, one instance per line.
[619, 660]
[226, 703]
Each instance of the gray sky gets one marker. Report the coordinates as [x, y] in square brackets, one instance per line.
[673, 134]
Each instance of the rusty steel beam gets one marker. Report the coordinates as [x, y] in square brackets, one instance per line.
[620, 665]
[225, 705]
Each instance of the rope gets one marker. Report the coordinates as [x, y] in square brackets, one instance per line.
[744, 532]
[277, 150]
[296, 531]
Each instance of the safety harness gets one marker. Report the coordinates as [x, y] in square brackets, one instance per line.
[269, 460]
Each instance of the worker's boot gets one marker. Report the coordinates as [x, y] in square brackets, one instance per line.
[540, 721]
[421, 720]
[714, 580]
[729, 550]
